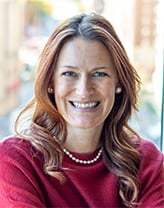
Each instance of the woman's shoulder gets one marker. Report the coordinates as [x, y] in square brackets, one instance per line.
[16, 147]
[150, 174]
[13, 140]
[14, 143]
[152, 159]
[149, 150]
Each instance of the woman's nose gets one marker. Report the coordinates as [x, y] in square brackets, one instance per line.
[84, 87]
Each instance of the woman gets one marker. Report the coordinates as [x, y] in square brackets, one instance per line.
[74, 147]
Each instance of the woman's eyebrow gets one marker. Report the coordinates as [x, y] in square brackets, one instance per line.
[101, 67]
[93, 69]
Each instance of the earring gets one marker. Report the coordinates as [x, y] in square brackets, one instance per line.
[118, 90]
[50, 90]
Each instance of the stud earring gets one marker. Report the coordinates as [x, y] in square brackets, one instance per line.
[118, 90]
[50, 90]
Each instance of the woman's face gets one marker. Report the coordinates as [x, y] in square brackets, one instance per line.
[84, 83]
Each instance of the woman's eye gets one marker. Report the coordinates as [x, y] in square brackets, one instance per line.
[69, 74]
[100, 74]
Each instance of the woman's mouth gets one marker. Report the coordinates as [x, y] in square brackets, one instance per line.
[85, 105]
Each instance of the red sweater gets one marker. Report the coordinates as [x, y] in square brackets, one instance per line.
[24, 185]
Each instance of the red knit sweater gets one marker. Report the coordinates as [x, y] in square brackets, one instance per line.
[24, 185]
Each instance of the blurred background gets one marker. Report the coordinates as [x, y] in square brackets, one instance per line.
[25, 26]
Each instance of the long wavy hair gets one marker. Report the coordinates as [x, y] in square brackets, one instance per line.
[46, 128]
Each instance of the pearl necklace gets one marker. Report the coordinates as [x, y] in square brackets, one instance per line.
[85, 162]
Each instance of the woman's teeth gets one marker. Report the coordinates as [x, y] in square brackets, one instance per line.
[85, 105]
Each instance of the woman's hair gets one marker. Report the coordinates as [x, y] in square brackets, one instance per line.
[47, 129]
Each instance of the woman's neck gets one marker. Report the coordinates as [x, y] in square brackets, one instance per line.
[83, 140]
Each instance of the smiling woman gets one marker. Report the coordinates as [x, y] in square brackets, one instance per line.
[78, 140]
